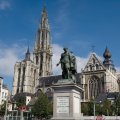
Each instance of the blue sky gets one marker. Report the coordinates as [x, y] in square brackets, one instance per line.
[76, 24]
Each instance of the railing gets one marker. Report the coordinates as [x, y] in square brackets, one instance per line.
[17, 118]
[81, 118]
[104, 118]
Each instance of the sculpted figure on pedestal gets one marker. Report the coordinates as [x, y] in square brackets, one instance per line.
[68, 65]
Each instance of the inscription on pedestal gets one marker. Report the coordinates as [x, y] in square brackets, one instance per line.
[62, 104]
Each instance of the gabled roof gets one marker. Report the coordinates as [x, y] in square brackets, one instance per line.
[48, 81]
[93, 61]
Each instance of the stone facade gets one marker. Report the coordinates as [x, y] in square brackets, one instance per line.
[96, 79]
[43, 47]
[4, 92]
[25, 77]
[67, 102]
[27, 72]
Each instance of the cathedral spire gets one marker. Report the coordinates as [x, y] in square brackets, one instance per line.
[43, 49]
[27, 55]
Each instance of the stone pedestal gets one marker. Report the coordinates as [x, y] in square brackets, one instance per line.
[66, 102]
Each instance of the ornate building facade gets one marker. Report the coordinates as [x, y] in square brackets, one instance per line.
[43, 47]
[27, 72]
[97, 78]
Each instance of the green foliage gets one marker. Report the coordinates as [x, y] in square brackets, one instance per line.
[84, 108]
[20, 101]
[117, 105]
[100, 108]
[2, 109]
[106, 108]
[42, 107]
[91, 108]
[88, 108]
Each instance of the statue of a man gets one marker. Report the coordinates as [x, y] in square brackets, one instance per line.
[65, 64]
[73, 66]
[68, 65]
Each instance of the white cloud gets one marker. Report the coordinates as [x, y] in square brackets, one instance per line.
[4, 4]
[81, 62]
[57, 50]
[117, 69]
[8, 58]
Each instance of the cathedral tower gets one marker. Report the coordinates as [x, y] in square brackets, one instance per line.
[108, 63]
[25, 76]
[42, 55]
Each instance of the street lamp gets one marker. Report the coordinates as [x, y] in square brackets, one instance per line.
[6, 105]
[94, 106]
[100, 103]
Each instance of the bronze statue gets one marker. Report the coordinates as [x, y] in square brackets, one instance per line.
[68, 65]
[73, 66]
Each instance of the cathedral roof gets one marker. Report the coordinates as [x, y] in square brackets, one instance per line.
[94, 63]
[48, 81]
[103, 96]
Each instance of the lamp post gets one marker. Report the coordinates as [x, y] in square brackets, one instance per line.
[6, 105]
[100, 106]
[94, 107]
[118, 81]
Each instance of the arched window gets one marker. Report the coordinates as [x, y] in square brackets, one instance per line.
[18, 84]
[49, 94]
[39, 91]
[95, 87]
[37, 59]
[97, 66]
[48, 90]
[90, 67]
[93, 61]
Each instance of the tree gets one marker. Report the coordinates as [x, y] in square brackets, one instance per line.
[42, 107]
[2, 109]
[87, 108]
[117, 105]
[106, 109]
[20, 101]
[91, 108]
[84, 108]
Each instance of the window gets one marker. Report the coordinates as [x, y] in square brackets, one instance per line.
[93, 61]
[36, 59]
[2, 94]
[97, 66]
[90, 67]
[5, 95]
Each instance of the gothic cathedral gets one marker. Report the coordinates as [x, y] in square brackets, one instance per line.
[97, 78]
[27, 72]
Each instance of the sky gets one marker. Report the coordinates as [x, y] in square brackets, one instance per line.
[76, 24]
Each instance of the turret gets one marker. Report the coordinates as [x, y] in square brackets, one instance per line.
[27, 55]
[108, 63]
